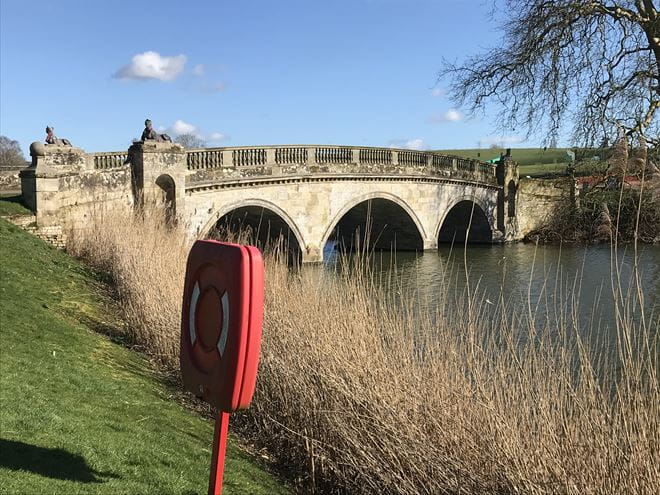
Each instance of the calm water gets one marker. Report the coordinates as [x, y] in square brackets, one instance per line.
[548, 276]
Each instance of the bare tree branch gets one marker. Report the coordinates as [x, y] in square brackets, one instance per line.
[595, 64]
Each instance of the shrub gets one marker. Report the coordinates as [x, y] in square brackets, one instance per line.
[585, 223]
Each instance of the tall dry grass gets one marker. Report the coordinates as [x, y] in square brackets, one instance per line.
[361, 391]
[145, 260]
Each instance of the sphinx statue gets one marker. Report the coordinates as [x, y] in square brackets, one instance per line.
[51, 138]
[150, 135]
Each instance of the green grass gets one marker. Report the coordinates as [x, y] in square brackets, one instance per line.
[524, 156]
[12, 205]
[80, 413]
[542, 169]
[531, 161]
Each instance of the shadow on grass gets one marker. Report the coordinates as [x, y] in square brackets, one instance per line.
[12, 204]
[13, 198]
[51, 463]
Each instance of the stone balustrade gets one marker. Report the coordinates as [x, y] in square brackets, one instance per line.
[204, 159]
[305, 159]
[242, 157]
[110, 159]
[414, 158]
[373, 156]
[291, 156]
[334, 154]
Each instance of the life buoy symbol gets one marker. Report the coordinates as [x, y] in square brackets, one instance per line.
[208, 323]
[221, 323]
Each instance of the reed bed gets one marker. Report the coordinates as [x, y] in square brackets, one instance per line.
[365, 390]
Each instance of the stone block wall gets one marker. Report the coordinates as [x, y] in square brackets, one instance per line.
[9, 179]
[63, 183]
[537, 200]
[53, 234]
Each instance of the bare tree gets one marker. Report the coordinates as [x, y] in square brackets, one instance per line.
[11, 155]
[595, 63]
[190, 141]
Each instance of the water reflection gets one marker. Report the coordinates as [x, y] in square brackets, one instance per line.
[550, 282]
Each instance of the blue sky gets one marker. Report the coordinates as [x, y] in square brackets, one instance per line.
[358, 72]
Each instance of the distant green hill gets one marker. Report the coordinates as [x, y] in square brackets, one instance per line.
[524, 156]
[532, 161]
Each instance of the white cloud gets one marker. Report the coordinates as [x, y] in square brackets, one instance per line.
[410, 144]
[437, 92]
[199, 70]
[180, 127]
[451, 115]
[152, 65]
[415, 144]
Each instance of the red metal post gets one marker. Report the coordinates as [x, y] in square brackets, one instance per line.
[218, 453]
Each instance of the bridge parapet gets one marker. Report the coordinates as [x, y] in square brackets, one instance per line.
[291, 156]
[204, 159]
[218, 164]
[64, 182]
[309, 186]
[109, 159]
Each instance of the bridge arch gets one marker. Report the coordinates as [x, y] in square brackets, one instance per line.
[167, 199]
[459, 209]
[379, 195]
[255, 203]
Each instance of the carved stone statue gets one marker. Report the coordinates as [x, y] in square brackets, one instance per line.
[51, 138]
[150, 135]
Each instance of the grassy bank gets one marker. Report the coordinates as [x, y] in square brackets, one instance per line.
[79, 413]
[360, 392]
[12, 204]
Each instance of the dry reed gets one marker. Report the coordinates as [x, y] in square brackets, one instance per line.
[361, 390]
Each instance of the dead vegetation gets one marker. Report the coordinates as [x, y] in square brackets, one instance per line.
[361, 391]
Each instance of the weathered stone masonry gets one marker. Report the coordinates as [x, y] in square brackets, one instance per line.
[309, 187]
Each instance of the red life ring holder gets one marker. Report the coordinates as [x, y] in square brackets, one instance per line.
[221, 320]
[221, 323]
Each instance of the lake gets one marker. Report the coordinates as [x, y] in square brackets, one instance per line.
[544, 280]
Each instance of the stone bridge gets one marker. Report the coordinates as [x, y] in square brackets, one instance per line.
[393, 198]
